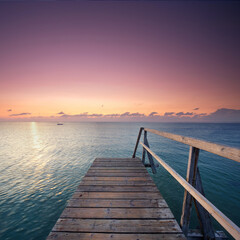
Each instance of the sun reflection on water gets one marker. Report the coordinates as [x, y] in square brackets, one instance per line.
[35, 135]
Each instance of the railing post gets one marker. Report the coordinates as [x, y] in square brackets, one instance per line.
[138, 139]
[144, 151]
[149, 155]
[187, 200]
[194, 178]
[203, 215]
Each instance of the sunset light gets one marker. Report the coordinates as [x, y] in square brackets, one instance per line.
[115, 58]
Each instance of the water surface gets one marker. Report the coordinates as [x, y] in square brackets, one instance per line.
[43, 163]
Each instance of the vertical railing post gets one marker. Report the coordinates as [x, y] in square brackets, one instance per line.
[144, 151]
[203, 215]
[187, 200]
[194, 178]
[138, 139]
[149, 155]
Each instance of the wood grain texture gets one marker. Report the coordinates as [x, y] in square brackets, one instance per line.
[112, 236]
[125, 213]
[118, 195]
[117, 199]
[113, 203]
[119, 174]
[117, 226]
[122, 178]
[110, 188]
[118, 183]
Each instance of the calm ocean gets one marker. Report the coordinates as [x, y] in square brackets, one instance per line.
[41, 164]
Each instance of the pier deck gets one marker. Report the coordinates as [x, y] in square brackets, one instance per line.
[117, 199]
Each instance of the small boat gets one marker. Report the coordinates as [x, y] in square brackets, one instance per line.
[60, 124]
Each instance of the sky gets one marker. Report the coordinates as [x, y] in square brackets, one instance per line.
[120, 61]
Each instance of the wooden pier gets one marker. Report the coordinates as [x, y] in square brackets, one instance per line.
[117, 199]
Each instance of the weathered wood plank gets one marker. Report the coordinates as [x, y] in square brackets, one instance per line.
[119, 174]
[118, 170]
[125, 213]
[116, 200]
[123, 188]
[118, 160]
[112, 236]
[153, 203]
[119, 195]
[116, 178]
[116, 164]
[118, 183]
[117, 226]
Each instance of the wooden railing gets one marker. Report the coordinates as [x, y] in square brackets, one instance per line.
[193, 184]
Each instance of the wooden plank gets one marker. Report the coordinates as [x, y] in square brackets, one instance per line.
[120, 174]
[138, 203]
[126, 213]
[116, 200]
[118, 160]
[118, 195]
[117, 226]
[221, 150]
[115, 188]
[116, 164]
[231, 227]
[116, 178]
[117, 170]
[118, 183]
[112, 236]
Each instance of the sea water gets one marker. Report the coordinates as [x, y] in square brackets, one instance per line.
[41, 164]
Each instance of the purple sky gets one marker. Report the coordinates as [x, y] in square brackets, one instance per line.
[116, 57]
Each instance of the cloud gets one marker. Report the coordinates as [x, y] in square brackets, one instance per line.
[95, 115]
[184, 114]
[128, 114]
[60, 113]
[112, 115]
[220, 115]
[168, 113]
[152, 114]
[195, 109]
[9, 110]
[224, 115]
[19, 114]
[85, 114]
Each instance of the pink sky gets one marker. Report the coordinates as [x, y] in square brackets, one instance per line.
[117, 57]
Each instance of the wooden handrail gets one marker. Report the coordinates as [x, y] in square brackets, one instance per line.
[223, 151]
[231, 227]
